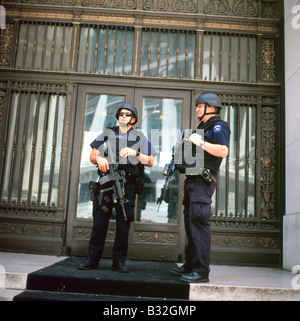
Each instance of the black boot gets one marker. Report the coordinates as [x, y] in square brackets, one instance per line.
[88, 265]
[120, 267]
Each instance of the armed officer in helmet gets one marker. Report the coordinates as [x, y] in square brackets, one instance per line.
[131, 151]
[199, 189]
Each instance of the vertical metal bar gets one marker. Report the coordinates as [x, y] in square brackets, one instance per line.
[168, 54]
[33, 148]
[248, 59]
[43, 150]
[62, 50]
[96, 50]
[87, 50]
[199, 55]
[227, 169]
[237, 164]
[258, 152]
[247, 154]
[34, 46]
[99, 51]
[239, 59]
[105, 50]
[53, 47]
[25, 45]
[149, 53]
[74, 47]
[211, 52]
[136, 47]
[44, 47]
[8, 112]
[158, 54]
[115, 51]
[14, 148]
[124, 51]
[16, 33]
[177, 55]
[220, 56]
[23, 132]
[186, 55]
[230, 57]
[53, 154]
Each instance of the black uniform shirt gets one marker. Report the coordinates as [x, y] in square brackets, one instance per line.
[216, 131]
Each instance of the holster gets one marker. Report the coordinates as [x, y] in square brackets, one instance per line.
[95, 195]
[139, 184]
[208, 176]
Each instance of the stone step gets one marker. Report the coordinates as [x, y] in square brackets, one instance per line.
[14, 270]
[8, 294]
[32, 295]
[202, 292]
[34, 277]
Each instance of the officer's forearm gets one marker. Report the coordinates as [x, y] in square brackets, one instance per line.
[93, 157]
[216, 149]
[97, 159]
[146, 160]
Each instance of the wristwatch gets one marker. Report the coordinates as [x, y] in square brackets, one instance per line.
[202, 143]
[137, 154]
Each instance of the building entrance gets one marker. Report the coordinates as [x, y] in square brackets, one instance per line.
[156, 234]
[63, 73]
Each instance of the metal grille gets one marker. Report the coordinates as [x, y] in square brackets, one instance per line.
[235, 194]
[44, 46]
[32, 149]
[229, 57]
[167, 53]
[162, 52]
[106, 50]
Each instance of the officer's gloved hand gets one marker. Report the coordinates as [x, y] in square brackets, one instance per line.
[196, 139]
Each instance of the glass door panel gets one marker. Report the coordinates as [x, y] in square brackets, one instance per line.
[161, 121]
[100, 110]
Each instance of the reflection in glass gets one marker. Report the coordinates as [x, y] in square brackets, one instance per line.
[162, 124]
[100, 111]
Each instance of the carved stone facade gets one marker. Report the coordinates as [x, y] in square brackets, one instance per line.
[268, 60]
[235, 8]
[236, 19]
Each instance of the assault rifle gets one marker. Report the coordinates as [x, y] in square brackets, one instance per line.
[169, 171]
[114, 178]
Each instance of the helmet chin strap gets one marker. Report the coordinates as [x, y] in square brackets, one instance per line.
[205, 113]
[128, 124]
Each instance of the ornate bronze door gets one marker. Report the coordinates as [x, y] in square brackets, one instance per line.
[154, 235]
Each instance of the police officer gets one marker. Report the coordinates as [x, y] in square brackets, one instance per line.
[199, 189]
[132, 151]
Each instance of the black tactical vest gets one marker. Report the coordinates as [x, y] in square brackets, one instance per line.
[211, 162]
[130, 139]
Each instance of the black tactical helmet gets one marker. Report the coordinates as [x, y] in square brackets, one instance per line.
[129, 107]
[209, 99]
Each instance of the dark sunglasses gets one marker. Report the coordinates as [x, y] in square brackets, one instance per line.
[126, 114]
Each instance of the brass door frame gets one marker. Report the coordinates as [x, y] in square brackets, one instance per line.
[167, 240]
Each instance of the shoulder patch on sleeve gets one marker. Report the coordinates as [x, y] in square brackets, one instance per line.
[217, 128]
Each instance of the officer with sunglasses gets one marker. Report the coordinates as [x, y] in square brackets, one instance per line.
[131, 152]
